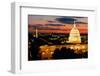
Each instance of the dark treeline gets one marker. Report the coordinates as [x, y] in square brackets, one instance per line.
[63, 53]
[67, 53]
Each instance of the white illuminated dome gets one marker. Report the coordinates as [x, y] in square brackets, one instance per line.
[74, 36]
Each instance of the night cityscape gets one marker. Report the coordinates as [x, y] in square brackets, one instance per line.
[57, 37]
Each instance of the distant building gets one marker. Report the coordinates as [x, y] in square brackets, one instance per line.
[74, 36]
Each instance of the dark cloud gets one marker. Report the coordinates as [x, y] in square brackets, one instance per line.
[45, 28]
[68, 20]
[55, 25]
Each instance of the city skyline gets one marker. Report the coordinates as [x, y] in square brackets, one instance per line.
[57, 37]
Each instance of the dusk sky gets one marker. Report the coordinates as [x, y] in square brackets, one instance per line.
[56, 24]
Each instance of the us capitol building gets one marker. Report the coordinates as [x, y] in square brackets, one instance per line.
[74, 36]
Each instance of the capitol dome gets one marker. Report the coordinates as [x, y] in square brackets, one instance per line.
[74, 36]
